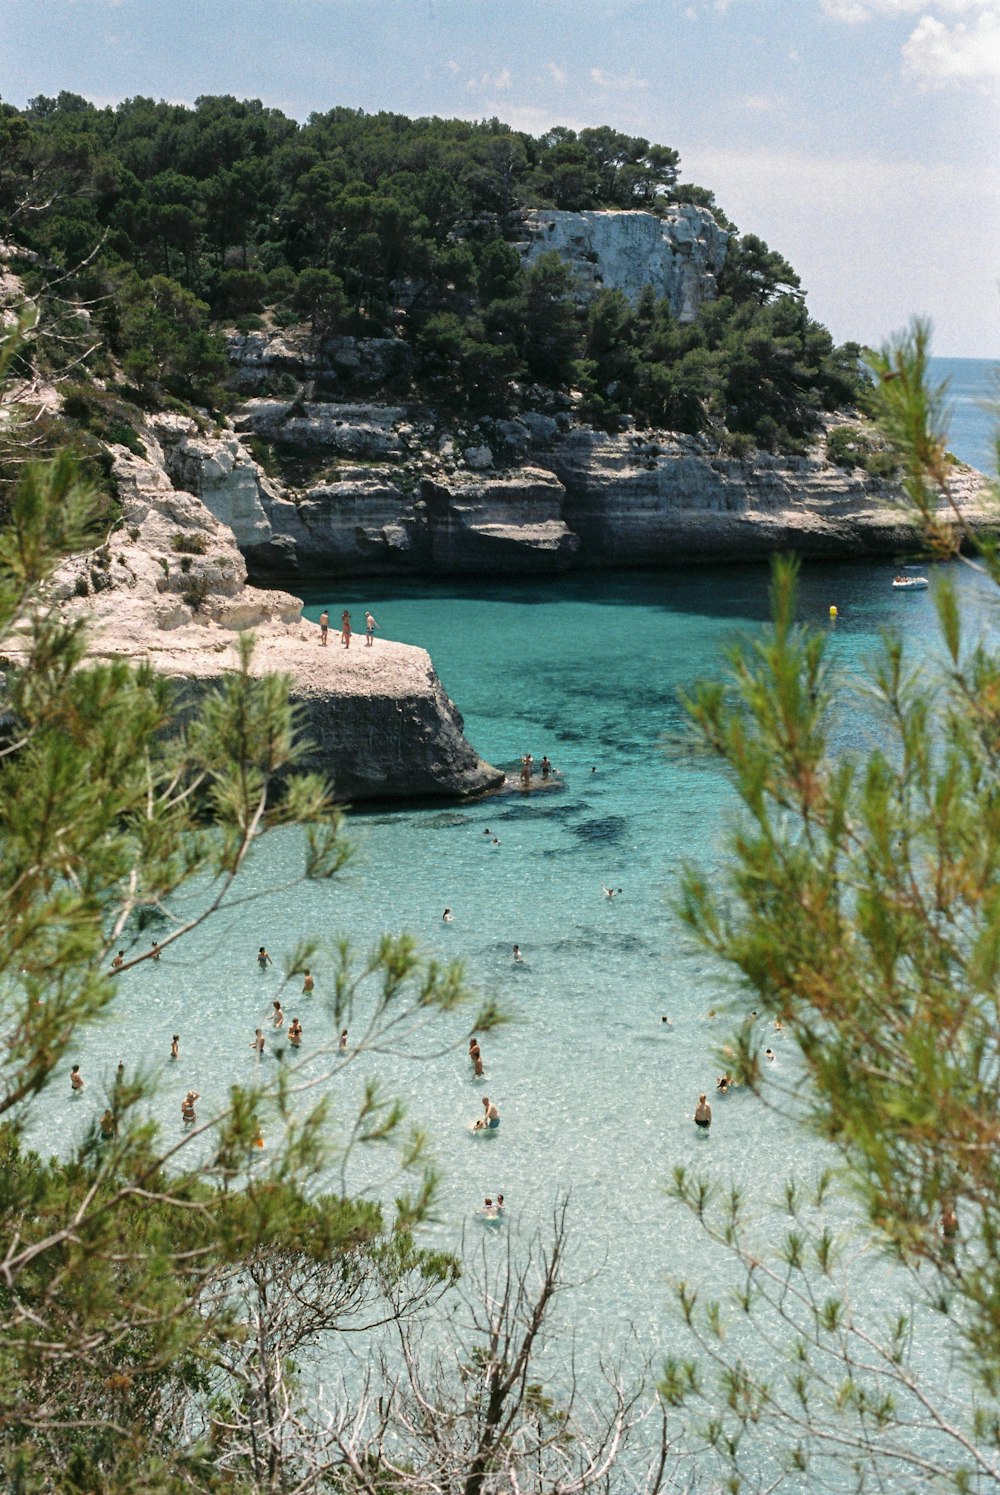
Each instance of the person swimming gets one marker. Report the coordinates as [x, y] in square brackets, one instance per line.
[447, 916]
[703, 1114]
[518, 957]
[490, 1118]
[342, 1043]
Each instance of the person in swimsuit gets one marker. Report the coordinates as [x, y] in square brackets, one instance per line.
[447, 916]
[345, 628]
[546, 766]
[263, 959]
[154, 949]
[294, 1032]
[370, 627]
[518, 957]
[175, 1051]
[308, 982]
[491, 1116]
[324, 626]
[118, 961]
[187, 1108]
[258, 1042]
[277, 1016]
[342, 1045]
[108, 1125]
[703, 1114]
[76, 1078]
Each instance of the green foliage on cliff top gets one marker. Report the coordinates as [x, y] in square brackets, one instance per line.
[178, 220]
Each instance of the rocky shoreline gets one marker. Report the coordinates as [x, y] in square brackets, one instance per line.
[397, 490]
[169, 588]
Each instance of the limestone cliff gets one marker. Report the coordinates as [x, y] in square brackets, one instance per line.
[678, 252]
[169, 588]
[399, 489]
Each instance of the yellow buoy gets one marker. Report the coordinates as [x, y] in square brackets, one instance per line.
[833, 610]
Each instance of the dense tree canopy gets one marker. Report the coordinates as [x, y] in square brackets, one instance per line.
[388, 226]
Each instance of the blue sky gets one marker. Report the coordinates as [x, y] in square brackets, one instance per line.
[858, 137]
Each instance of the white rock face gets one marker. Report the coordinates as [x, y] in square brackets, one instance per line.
[169, 589]
[368, 431]
[220, 471]
[658, 498]
[679, 255]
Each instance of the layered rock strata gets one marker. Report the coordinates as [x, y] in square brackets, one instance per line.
[399, 493]
[169, 588]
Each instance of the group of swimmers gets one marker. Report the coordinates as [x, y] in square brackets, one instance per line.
[490, 1119]
[345, 628]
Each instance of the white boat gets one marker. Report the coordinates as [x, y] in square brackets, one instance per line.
[909, 583]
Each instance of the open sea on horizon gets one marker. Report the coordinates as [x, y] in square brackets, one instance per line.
[973, 402]
[595, 1092]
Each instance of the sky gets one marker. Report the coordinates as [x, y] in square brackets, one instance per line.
[857, 137]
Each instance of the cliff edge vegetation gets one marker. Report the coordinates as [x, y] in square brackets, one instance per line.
[171, 225]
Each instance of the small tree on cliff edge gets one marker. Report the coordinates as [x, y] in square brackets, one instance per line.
[862, 909]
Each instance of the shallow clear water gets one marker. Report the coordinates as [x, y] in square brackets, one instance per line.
[596, 1094]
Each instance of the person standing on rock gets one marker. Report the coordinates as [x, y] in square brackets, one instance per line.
[324, 626]
[345, 628]
[370, 627]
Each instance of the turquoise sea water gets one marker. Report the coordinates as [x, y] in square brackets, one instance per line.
[973, 393]
[595, 1093]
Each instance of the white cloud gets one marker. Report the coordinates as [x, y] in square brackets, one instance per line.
[617, 82]
[938, 54]
[757, 103]
[556, 73]
[452, 65]
[954, 41]
[488, 82]
[866, 10]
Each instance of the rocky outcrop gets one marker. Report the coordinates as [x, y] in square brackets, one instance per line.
[678, 252]
[638, 500]
[220, 471]
[544, 492]
[263, 361]
[169, 588]
[379, 520]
